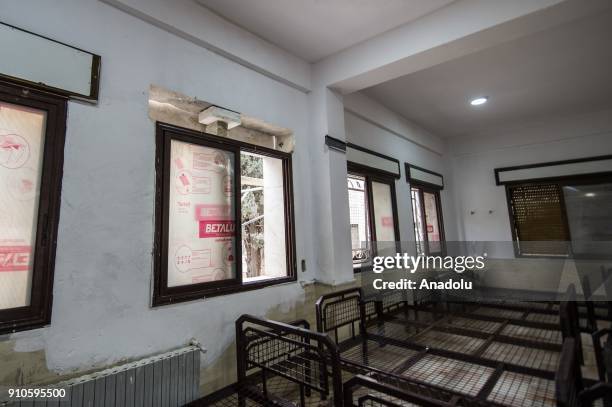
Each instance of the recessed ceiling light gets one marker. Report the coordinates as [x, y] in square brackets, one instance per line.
[590, 194]
[479, 101]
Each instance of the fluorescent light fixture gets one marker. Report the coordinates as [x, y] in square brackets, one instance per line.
[590, 194]
[479, 101]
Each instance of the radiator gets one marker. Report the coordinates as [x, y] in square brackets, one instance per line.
[167, 380]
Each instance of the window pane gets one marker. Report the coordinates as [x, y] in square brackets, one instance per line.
[21, 150]
[201, 230]
[538, 219]
[383, 212]
[359, 218]
[431, 217]
[264, 251]
[417, 218]
[589, 216]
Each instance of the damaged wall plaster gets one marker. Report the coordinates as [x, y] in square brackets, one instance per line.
[181, 110]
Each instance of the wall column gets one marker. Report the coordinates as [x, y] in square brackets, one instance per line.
[332, 240]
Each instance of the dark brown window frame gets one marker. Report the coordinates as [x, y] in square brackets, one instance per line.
[587, 179]
[162, 294]
[372, 174]
[38, 313]
[435, 190]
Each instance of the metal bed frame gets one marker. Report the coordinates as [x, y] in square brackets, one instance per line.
[570, 390]
[289, 365]
[473, 357]
[386, 352]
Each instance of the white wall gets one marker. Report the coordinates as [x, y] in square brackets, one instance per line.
[474, 159]
[370, 125]
[103, 270]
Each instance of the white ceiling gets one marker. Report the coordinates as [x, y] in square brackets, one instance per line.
[567, 69]
[314, 29]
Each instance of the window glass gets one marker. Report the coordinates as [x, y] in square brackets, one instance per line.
[204, 184]
[21, 149]
[432, 225]
[201, 221]
[359, 218]
[589, 215]
[417, 218]
[263, 217]
[383, 212]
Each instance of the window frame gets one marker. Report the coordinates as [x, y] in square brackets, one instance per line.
[587, 179]
[374, 175]
[38, 313]
[435, 190]
[162, 294]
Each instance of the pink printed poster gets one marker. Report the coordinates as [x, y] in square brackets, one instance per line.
[202, 224]
[21, 143]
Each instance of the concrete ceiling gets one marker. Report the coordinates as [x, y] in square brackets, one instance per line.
[563, 70]
[314, 29]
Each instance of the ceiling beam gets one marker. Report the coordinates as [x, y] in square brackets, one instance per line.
[459, 29]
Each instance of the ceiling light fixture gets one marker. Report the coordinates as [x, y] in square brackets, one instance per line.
[479, 101]
[590, 194]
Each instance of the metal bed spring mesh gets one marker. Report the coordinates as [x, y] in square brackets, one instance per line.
[543, 318]
[474, 324]
[342, 312]
[395, 330]
[385, 358]
[522, 355]
[286, 356]
[449, 341]
[498, 312]
[600, 312]
[455, 375]
[533, 334]
[515, 389]
[421, 316]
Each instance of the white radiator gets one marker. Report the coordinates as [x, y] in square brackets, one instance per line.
[167, 380]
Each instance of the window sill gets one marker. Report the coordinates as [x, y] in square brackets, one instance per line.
[215, 292]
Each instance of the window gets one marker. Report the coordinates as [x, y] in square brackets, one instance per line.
[360, 219]
[205, 184]
[373, 214]
[32, 132]
[568, 216]
[427, 218]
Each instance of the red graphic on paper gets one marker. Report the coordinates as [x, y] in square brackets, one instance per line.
[14, 151]
[186, 259]
[186, 183]
[217, 228]
[228, 185]
[15, 258]
[229, 253]
[21, 184]
[213, 161]
[429, 228]
[387, 221]
[179, 163]
[210, 211]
